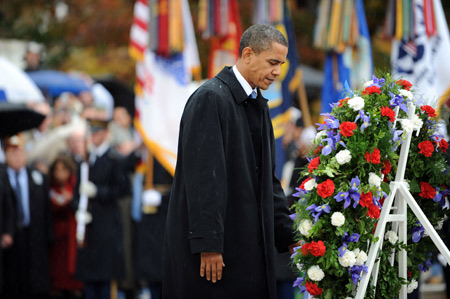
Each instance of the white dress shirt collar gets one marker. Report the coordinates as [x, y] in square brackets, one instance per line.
[248, 89]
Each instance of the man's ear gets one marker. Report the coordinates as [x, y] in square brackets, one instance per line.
[247, 54]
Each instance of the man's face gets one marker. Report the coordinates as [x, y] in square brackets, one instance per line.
[265, 67]
[98, 137]
[15, 157]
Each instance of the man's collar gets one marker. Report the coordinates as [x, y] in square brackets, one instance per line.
[228, 77]
[101, 149]
[248, 89]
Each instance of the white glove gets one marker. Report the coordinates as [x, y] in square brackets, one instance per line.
[83, 217]
[88, 188]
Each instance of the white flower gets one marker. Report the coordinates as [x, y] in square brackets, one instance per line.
[391, 236]
[305, 226]
[337, 219]
[412, 286]
[374, 180]
[348, 259]
[356, 103]
[344, 156]
[321, 134]
[407, 125]
[315, 273]
[311, 184]
[439, 224]
[300, 267]
[406, 94]
[417, 122]
[361, 257]
[368, 83]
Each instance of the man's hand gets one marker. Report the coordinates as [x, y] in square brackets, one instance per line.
[296, 244]
[6, 240]
[212, 264]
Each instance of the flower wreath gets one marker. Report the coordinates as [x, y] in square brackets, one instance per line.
[353, 159]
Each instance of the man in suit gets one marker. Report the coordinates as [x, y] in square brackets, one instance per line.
[6, 219]
[101, 259]
[226, 205]
[26, 262]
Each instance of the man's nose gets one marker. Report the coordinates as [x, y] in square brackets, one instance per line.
[276, 71]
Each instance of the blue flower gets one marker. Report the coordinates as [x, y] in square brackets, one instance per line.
[293, 216]
[351, 239]
[344, 196]
[351, 194]
[425, 265]
[417, 232]
[356, 271]
[365, 119]
[299, 283]
[342, 249]
[327, 149]
[317, 211]
[379, 82]
[397, 100]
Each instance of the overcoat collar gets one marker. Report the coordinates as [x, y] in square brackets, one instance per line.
[227, 76]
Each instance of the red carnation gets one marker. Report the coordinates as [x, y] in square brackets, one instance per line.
[317, 248]
[367, 157]
[325, 189]
[427, 190]
[343, 102]
[375, 157]
[313, 164]
[313, 289]
[382, 201]
[429, 110]
[302, 186]
[366, 199]
[404, 84]
[347, 128]
[387, 167]
[305, 248]
[373, 211]
[318, 150]
[371, 89]
[426, 148]
[444, 145]
[386, 111]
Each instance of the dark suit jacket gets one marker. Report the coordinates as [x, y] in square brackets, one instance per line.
[215, 205]
[102, 257]
[6, 214]
[27, 262]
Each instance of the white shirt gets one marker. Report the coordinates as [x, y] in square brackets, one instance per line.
[25, 196]
[248, 89]
[98, 152]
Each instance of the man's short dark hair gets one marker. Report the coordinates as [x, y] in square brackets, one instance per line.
[260, 37]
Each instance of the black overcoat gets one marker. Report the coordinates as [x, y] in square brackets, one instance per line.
[102, 257]
[214, 206]
[6, 214]
[27, 261]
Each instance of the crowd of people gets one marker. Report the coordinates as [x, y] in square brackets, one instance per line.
[40, 188]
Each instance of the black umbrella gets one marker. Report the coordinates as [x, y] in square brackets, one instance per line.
[15, 118]
[122, 94]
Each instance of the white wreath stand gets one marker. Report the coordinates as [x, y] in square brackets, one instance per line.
[403, 198]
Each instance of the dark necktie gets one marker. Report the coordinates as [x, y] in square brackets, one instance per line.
[20, 213]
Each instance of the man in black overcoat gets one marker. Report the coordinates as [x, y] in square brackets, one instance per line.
[6, 218]
[26, 262]
[101, 259]
[227, 211]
